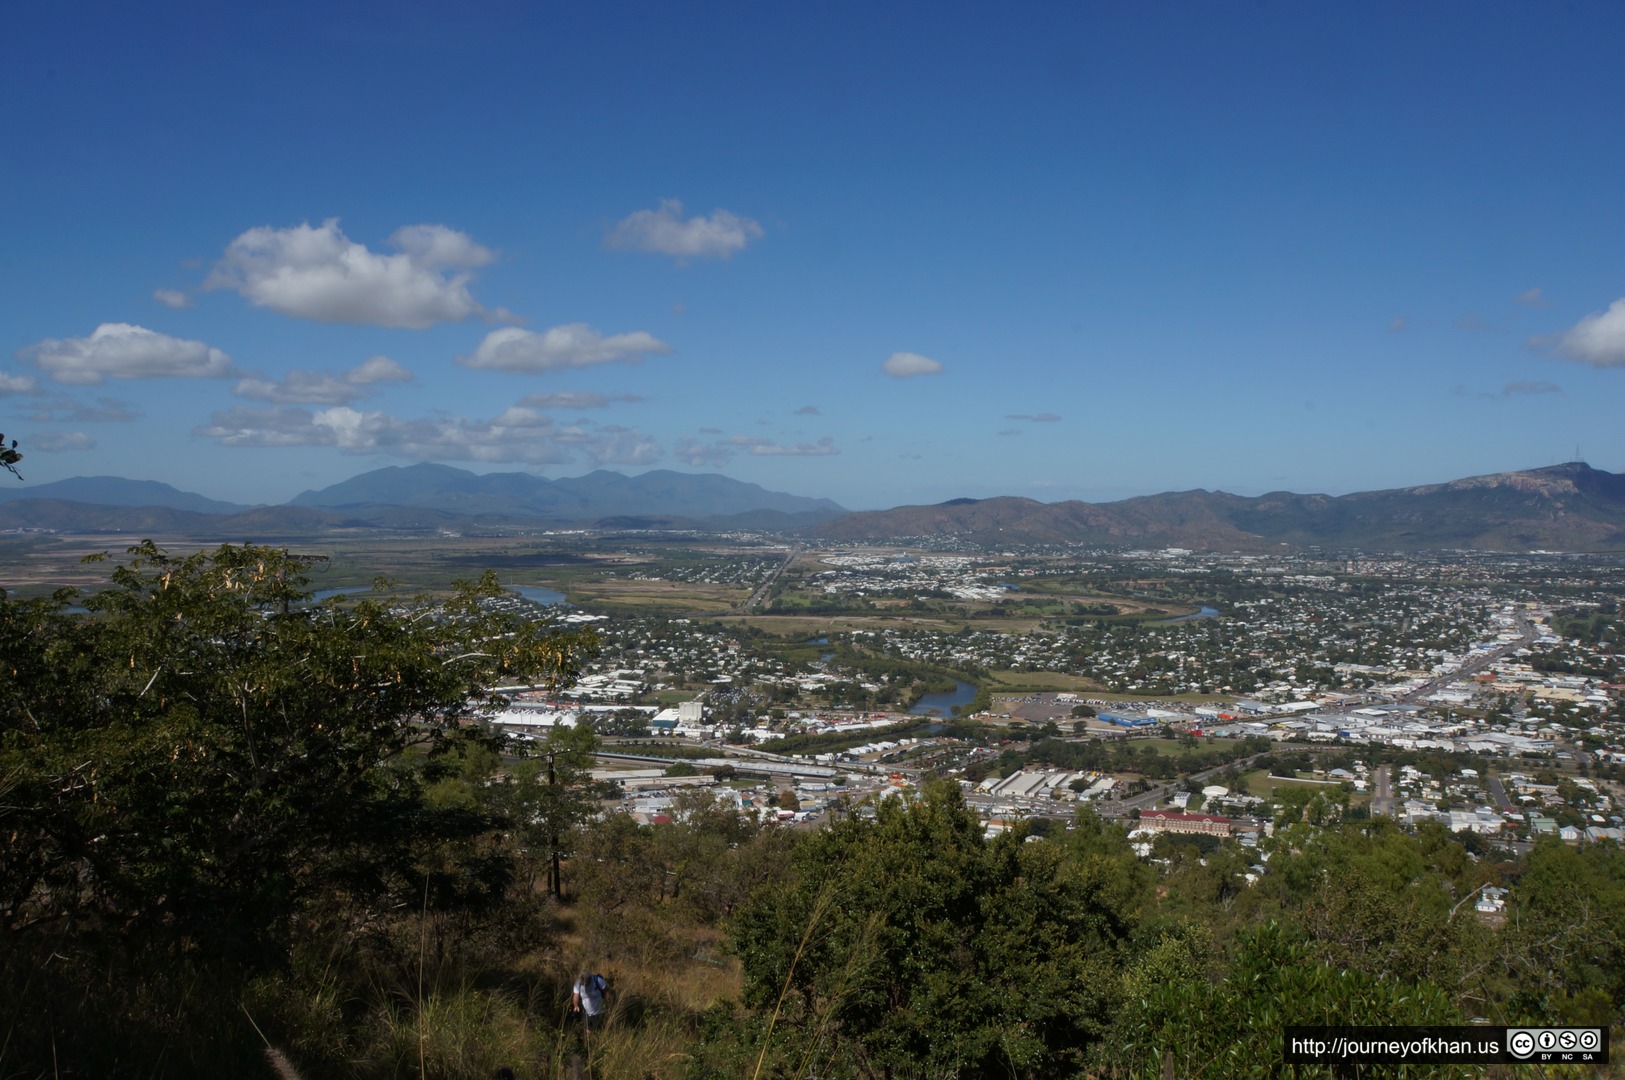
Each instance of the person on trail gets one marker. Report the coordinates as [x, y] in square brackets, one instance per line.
[587, 999]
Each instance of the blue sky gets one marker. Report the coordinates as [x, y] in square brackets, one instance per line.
[934, 250]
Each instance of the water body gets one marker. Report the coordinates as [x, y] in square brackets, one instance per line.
[942, 704]
[1205, 613]
[538, 595]
[349, 590]
[819, 640]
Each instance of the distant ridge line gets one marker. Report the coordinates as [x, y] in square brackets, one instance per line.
[1569, 507]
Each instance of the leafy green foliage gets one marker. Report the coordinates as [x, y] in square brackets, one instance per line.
[913, 944]
[207, 757]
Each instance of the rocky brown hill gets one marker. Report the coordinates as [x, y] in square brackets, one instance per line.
[1570, 507]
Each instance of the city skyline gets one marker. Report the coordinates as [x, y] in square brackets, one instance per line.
[882, 258]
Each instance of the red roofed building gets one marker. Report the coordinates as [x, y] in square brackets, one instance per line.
[1169, 821]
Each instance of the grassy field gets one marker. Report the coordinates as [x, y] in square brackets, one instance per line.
[1259, 782]
[1006, 682]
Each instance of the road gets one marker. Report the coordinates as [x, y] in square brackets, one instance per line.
[1146, 800]
[1382, 792]
[762, 590]
[1499, 793]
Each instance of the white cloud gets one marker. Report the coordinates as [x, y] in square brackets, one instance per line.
[1533, 298]
[518, 435]
[1399, 324]
[665, 232]
[322, 388]
[573, 345]
[17, 384]
[1040, 418]
[436, 246]
[906, 365]
[806, 410]
[565, 399]
[321, 274]
[172, 298]
[57, 441]
[123, 351]
[1598, 340]
[377, 369]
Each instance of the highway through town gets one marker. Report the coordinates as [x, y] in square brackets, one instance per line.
[765, 587]
[1476, 663]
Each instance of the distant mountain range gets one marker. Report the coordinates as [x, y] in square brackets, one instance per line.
[1569, 507]
[415, 498]
[660, 493]
[117, 491]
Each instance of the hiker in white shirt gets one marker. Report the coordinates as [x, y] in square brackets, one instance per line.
[587, 999]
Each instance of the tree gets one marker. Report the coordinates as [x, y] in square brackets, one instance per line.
[9, 457]
[913, 944]
[550, 795]
[194, 766]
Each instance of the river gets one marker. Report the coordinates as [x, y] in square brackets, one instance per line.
[1205, 613]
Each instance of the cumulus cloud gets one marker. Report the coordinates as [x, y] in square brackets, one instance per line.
[1532, 298]
[1037, 418]
[17, 384]
[573, 345]
[806, 410]
[377, 369]
[518, 435]
[1598, 340]
[65, 410]
[123, 351]
[172, 298]
[906, 365]
[666, 232]
[323, 388]
[565, 399]
[319, 273]
[55, 442]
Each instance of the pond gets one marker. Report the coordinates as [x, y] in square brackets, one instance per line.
[943, 704]
[536, 594]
